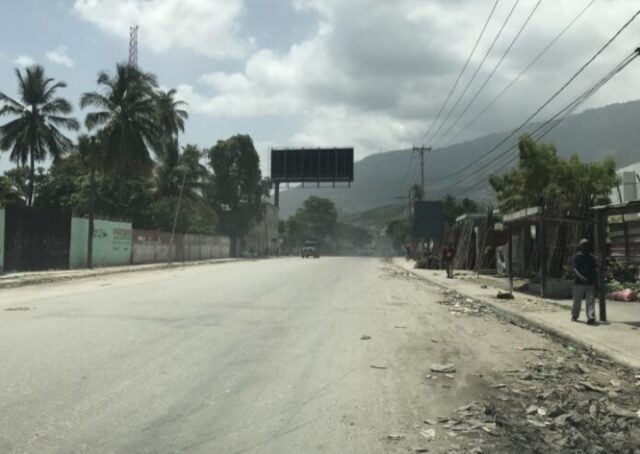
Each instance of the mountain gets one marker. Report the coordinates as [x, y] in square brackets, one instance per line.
[594, 134]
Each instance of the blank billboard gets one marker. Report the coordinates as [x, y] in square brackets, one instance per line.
[428, 221]
[312, 165]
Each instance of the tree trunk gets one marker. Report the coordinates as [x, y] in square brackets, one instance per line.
[32, 176]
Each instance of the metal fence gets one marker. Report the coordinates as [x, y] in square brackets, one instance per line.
[36, 239]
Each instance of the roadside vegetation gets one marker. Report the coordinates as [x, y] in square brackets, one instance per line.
[129, 143]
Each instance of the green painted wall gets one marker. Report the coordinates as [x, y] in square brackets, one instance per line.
[111, 243]
[1, 239]
[78, 244]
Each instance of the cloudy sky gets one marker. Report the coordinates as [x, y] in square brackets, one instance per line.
[365, 73]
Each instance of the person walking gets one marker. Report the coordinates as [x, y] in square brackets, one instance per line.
[585, 270]
[447, 259]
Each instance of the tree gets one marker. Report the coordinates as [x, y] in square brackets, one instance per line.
[317, 217]
[398, 231]
[562, 187]
[174, 167]
[33, 134]
[237, 188]
[127, 119]
[171, 116]
[453, 208]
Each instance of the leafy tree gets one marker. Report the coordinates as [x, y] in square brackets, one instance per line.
[9, 193]
[34, 134]
[317, 217]
[237, 187]
[398, 231]
[127, 119]
[563, 187]
[453, 208]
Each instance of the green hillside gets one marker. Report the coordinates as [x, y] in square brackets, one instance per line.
[594, 134]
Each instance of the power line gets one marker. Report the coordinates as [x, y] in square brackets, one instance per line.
[546, 127]
[493, 72]
[546, 103]
[464, 68]
[522, 73]
[475, 74]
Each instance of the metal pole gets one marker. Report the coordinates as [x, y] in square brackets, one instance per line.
[175, 218]
[510, 259]
[92, 198]
[602, 256]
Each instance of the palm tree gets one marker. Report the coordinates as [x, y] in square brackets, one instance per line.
[170, 116]
[33, 134]
[174, 168]
[127, 119]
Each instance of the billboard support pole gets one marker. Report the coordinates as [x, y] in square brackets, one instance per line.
[277, 194]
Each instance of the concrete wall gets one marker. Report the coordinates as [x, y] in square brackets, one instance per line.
[263, 235]
[111, 243]
[1, 239]
[153, 246]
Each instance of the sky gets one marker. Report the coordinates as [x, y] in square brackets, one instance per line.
[372, 74]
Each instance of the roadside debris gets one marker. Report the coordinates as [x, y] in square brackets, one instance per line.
[562, 401]
[429, 434]
[19, 308]
[374, 366]
[365, 338]
[396, 436]
[504, 296]
[400, 327]
[443, 368]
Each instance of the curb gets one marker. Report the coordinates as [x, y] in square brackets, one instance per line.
[514, 316]
[107, 272]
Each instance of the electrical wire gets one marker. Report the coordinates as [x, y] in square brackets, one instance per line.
[475, 74]
[491, 74]
[545, 128]
[547, 102]
[464, 68]
[522, 73]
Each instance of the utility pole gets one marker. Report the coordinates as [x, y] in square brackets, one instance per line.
[92, 201]
[421, 150]
[133, 46]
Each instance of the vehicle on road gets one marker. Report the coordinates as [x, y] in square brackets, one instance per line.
[310, 249]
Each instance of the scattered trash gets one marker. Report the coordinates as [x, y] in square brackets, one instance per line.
[499, 385]
[504, 296]
[434, 341]
[449, 376]
[420, 449]
[443, 368]
[373, 366]
[19, 308]
[429, 434]
[401, 327]
[365, 338]
[627, 295]
[483, 286]
[396, 436]
[431, 422]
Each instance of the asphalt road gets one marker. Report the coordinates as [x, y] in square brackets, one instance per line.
[260, 357]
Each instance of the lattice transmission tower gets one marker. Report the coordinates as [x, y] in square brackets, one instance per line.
[133, 46]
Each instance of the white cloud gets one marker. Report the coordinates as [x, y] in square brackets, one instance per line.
[60, 55]
[24, 60]
[206, 27]
[377, 82]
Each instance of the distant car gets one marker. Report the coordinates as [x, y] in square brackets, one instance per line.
[310, 249]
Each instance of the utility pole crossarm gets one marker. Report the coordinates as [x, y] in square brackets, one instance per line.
[421, 150]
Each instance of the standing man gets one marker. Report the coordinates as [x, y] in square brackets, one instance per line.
[447, 259]
[585, 270]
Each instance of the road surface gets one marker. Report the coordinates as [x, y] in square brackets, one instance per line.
[256, 357]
